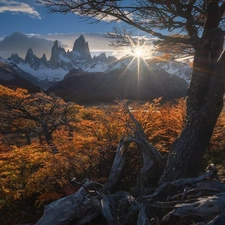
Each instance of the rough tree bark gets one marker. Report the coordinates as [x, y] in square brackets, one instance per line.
[48, 138]
[204, 103]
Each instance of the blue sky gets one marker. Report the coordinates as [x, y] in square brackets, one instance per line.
[33, 19]
[27, 16]
[30, 18]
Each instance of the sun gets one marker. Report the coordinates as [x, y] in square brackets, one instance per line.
[138, 51]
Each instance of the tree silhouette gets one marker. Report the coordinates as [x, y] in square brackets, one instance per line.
[201, 25]
[34, 114]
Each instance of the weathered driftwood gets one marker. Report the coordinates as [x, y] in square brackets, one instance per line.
[180, 182]
[82, 207]
[211, 186]
[218, 220]
[142, 217]
[112, 203]
[118, 164]
[152, 161]
[205, 207]
[60, 212]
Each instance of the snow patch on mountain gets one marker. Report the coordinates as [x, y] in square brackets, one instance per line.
[43, 73]
[182, 70]
[61, 62]
[96, 67]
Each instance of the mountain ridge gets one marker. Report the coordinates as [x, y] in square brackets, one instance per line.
[62, 61]
[132, 83]
[76, 76]
[12, 78]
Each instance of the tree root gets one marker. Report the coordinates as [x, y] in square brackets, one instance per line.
[218, 220]
[202, 196]
[90, 202]
[205, 207]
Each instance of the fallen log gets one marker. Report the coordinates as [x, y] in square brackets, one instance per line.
[179, 182]
[152, 160]
[61, 211]
[205, 207]
[218, 220]
[118, 164]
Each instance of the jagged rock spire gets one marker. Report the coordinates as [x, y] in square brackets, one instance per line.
[15, 58]
[29, 56]
[44, 60]
[54, 55]
[32, 59]
[82, 47]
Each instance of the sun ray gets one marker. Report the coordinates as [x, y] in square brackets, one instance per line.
[128, 65]
[140, 50]
[138, 71]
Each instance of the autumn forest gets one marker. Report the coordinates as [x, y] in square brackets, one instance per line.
[47, 142]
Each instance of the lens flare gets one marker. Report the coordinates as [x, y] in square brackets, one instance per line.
[138, 52]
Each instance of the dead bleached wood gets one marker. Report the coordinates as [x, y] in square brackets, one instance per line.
[63, 210]
[112, 203]
[211, 186]
[205, 187]
[118, 164]
[205, 207]
[180, 182]
[142, 217]
[218, 220]
[152, 161]
[107, 211]
[82, 207]
[87, 218]
[211, 204]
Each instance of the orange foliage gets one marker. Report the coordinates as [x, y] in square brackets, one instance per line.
[86, 145]
[166, 57]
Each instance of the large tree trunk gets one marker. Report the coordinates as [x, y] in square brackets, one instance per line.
[204, 104]
[28, 136]
[48, 138]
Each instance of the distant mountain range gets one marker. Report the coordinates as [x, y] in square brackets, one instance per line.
[77, 76]
[60, 63]
[11, 78]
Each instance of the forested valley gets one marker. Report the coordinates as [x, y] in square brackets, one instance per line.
[47, 143]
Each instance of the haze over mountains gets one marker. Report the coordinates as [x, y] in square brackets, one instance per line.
[145, 83]
[80, 56]
[18, 43]
[77, 76]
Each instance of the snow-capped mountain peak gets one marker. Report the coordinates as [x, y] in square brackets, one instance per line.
[61, 62]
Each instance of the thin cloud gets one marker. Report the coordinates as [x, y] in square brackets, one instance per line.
[18, 7]
[19, 43]
[109, 18]
[106, 18]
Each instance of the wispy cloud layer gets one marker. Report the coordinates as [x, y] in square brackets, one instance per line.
[18, 7]
[19, 43]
